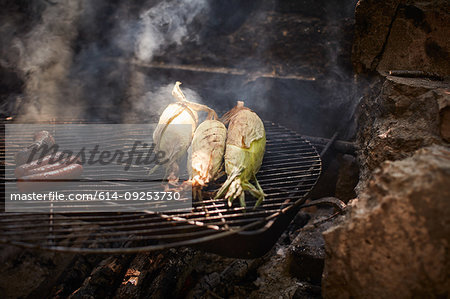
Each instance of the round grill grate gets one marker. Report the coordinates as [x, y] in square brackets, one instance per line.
[290, 169]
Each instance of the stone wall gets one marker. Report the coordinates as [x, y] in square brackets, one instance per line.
[402, 35]
[397, 237]
[405, 115]
[394, 241]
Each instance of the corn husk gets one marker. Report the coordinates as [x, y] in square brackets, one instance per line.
[176, 127]
[207, 150]
[173, 135]
[245, 146]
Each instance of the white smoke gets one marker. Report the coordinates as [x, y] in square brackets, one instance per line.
[153, 103]
[65, 76]
[44, 57]
[164, 24]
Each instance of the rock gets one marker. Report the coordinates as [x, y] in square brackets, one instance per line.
[306, 256]
[407, 114]
[307, 291]
[306, 253]
[384, 29]
[445, 124]
[347, 177]
[372, 21]
[396, 239]
[444, 113]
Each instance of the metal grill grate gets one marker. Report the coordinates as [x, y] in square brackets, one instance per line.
[289, 171]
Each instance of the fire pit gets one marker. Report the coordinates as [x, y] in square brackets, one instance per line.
[112, 62]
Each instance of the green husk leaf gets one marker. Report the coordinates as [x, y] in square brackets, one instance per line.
[241, 165]
[207, 150]
[246, 142]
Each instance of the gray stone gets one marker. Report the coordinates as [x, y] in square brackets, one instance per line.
[395, 241]
[402, 35]
[347, 177]
[306, 256]
[307, 291]
[372, 22]
[405, 116]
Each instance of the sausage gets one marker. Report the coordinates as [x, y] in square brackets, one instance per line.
[41, 169]
[42, 180]
[71, 171]
[24, 168]
[41, 138]
[44, 168]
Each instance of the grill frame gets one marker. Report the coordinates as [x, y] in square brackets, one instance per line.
[253, 239]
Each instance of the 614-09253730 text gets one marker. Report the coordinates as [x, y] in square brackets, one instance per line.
[92, 168]
[100, 196]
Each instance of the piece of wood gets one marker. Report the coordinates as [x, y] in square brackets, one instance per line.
[414, 74]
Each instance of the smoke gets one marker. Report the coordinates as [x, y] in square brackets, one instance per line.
[74, 57]
[164, 24]
[89, 59]
[43, 57]
[151, 104]
[340, 80]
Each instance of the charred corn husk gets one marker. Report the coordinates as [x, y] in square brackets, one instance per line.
[175, 129]
[245, 145]
[207, 149]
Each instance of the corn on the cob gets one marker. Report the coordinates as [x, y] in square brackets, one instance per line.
[207, 149]
[245, 145]
[169, 136]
